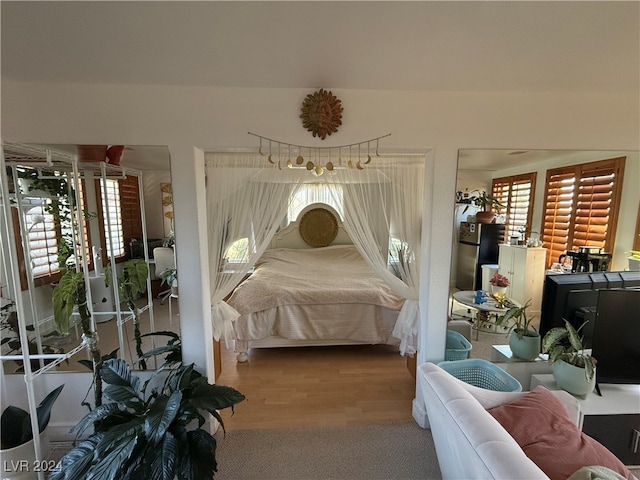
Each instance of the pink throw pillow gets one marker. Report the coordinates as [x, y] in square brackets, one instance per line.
[540, 425]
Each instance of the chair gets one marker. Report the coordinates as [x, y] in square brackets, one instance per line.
[165, 260]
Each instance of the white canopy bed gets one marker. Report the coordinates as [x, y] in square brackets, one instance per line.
[248, 198]
[324, 294]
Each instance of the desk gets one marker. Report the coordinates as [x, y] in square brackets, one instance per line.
[485, 310]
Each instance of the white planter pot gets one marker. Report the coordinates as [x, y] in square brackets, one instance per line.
[526, 348]
[572, 379]
[18, 463]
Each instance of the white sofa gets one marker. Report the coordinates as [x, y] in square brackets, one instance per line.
[469, 442]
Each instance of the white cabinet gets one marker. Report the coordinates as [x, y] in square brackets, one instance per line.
[525, 269]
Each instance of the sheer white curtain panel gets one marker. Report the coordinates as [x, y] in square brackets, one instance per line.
[247, 198]
[384, 200]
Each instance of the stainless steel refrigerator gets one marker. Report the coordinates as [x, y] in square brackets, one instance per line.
[477, 246]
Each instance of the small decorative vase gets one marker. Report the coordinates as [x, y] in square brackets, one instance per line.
[572, 378]
[527, 347]
[496, 289]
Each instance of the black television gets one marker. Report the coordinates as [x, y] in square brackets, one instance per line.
[574, 297]
[616, 336]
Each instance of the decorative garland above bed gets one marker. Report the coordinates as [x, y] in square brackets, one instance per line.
[356, 155]
[318, 227]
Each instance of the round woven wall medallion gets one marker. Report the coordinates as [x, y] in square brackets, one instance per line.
[318, 227]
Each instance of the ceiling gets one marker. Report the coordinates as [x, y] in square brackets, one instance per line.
[586, 46]
[522, 46]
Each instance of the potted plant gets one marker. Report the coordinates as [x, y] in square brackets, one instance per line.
[16, 435]
[170, 277]
[499, 283]
[524, 341]
[71, 292]
[489, 206]
[149, 429]
[574, 370]
[131, 284]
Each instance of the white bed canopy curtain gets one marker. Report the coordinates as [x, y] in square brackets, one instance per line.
[385, 201]
[248, 197]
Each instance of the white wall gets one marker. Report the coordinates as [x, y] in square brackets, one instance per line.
[219, 118]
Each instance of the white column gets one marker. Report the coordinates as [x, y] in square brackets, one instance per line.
[189, 202]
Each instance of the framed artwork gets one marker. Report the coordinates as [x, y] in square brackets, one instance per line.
[167, 208]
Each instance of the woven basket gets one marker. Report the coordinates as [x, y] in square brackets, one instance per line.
[457, 347]
[482, 373]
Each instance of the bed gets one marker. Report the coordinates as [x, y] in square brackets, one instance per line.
[318, 295]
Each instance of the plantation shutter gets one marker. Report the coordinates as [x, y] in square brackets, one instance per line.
[131, 213]
[582, 204]
[558, 209]
[516, 192]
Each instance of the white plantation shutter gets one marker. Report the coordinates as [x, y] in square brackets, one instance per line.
[42, 240]
[516, 192]
[111, 197]
[582, 203]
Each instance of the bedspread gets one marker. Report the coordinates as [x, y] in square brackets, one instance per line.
[328, 275]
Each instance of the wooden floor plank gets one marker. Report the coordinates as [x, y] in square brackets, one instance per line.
[318, 386]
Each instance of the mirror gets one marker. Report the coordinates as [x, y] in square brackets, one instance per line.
[477, 168]
[42, 194]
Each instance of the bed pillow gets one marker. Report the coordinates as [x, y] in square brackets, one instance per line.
[539, 423]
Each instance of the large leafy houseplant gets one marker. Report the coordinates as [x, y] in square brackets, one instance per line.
[15, 422]
[151, 430]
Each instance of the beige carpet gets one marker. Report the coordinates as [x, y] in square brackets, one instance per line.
[369, 452]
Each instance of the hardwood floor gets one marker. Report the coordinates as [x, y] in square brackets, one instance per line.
[318, 386]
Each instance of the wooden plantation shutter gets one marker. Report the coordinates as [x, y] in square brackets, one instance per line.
[131, 213]
[557, 216]
[582, 203]
[516, 192]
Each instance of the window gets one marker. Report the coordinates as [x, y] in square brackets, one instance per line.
[112, 218]
[123, 196]
[315, 193]
[238, 251]
[42, 241]
[47, 232]
[516, 193]
[582, 203]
